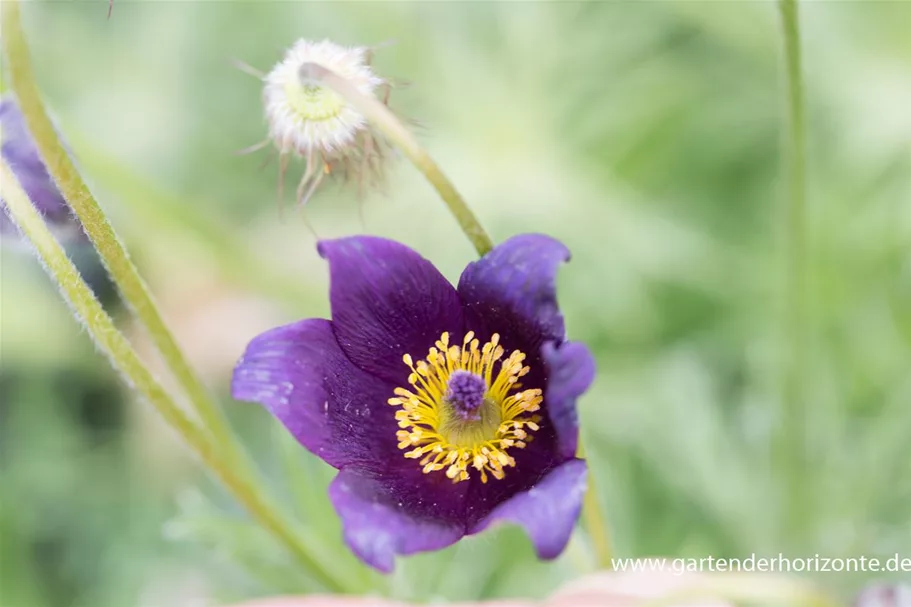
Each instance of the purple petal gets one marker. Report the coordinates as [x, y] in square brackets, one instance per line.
[20, 153]
[512, 290]
[548, 511]
[337, 411]
[387, 301]
[377, 529]
[340, 413]
[570, 371]
[532, 464]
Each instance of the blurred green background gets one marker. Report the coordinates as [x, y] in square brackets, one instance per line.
[644, 135]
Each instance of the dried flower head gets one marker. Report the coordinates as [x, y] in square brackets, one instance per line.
[305, 117]
[310, 120]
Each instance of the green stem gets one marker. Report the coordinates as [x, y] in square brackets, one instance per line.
[595, 520]
[112, 252]
[152, 206]
[125, 360]
[383, 119]
[797, 316]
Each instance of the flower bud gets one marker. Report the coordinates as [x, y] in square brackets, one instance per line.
[21, 155]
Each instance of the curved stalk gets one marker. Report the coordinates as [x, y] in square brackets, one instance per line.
[132, 287]
[383, 119]
[127, 363]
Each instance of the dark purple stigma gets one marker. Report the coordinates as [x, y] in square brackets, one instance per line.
[466, 393]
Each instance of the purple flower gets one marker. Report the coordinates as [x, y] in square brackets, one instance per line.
[445, 409]
[21, 155]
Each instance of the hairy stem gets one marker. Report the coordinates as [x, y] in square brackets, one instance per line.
[132, 287]
[383, 119]
[127, 363]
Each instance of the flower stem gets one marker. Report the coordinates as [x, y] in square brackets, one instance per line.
[155, 207]
[383, 119]
[595, 521]
[111, 250]
[796, 269]
[124, 359]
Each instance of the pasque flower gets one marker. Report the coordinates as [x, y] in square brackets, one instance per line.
[21, 155]
[446, 409]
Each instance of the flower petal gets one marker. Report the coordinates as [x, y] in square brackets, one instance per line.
[532, 464]
[512, 290]
[377, 530]
[387, 301]
[20, 153]
[570, 371]
[548, 511]
[337, 411]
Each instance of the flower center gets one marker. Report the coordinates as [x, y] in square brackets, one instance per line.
[466, 394]
[313, 102]
[464, 408]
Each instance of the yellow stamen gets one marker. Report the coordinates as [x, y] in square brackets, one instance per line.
[431, 429]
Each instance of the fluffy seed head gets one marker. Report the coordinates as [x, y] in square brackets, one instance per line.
[306, 118]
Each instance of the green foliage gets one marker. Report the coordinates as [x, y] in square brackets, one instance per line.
[644, 135]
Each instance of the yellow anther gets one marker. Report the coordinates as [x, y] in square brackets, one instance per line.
[433, 431]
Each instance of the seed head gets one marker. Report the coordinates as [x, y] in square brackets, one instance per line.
[306, 117]
[309, 120]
